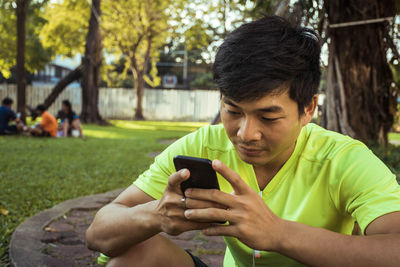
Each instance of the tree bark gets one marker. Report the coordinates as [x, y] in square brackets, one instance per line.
[139, 97]
[360, 99]
[138, 73]
[91, 63]
[21, 10]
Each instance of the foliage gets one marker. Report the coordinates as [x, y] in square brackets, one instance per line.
[7, 41]
[136, 30]
[390, 155]
[37, 174]
[36, 56]
[206, 24]
[260, 8]
[203, 80]
[66, 27]
[115, 75]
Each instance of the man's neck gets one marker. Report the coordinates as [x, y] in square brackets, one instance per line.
[265, 173]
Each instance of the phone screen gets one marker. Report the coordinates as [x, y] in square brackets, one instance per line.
[202, 175]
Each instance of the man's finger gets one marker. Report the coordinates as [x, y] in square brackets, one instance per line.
[231, 176]
[220, 230]
[213, 195]
[207, 215]
[177, 178]
[202, 204]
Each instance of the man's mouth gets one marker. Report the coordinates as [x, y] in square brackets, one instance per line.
[249, 150]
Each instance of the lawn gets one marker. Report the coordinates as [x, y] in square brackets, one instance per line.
[36, 174]
[394, 136]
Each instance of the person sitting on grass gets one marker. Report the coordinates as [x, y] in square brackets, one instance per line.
[48, 124]
[7, 115]
[291, 191]
[69, 120]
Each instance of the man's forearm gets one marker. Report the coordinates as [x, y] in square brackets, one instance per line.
[116, 228]
[319, 247]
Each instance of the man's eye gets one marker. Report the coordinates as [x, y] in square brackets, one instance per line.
[233, 112]
[269, 119]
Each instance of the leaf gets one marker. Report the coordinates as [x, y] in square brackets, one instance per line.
[50, 229]
[4, 212]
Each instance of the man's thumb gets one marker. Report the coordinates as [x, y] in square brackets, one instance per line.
[177, 178]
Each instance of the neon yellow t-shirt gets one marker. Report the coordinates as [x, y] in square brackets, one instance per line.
[329, 181]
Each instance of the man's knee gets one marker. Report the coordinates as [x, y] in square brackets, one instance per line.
[156, 251]
[143, 254]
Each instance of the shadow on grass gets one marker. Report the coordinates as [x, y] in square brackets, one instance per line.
[141, 129]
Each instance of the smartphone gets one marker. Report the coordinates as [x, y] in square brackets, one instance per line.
[202, 175]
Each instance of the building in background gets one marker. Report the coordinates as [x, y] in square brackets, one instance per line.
[54, 71]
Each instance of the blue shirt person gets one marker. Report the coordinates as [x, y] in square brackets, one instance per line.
[7, 115]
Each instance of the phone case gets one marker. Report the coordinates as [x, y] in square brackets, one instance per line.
[202, 175]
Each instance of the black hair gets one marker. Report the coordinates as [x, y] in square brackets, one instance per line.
[268, 54]
[41, 107]
[68, 104]
[7, 101]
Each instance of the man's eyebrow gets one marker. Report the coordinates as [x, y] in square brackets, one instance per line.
[271, 109]
[229, 102]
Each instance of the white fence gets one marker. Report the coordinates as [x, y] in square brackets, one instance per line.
[178, 105]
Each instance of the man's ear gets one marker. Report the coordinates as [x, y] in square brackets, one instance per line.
[309, 110]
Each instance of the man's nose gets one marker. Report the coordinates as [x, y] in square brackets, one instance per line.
[248, 130]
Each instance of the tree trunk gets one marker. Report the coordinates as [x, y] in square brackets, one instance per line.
[22, 8]
[91, 63]
[139, 74]
[360, 100]
[139, 96]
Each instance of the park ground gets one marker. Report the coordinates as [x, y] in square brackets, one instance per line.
[36, 174]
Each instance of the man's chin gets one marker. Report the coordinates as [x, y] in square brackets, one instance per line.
[253, 160]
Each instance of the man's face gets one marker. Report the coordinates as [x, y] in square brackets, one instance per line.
[263, 131]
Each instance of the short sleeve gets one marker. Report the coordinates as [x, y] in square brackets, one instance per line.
[154, 180]
[45, 120]
[12, 115]
[366, 188]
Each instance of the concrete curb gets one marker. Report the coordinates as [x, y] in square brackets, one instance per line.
[26, 247]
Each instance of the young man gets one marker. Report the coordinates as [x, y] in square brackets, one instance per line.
[7, 115]
[69, 120]
[48, 124]
[290, 190]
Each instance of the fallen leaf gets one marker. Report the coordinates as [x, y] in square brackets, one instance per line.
[4, 212]
[50, 229]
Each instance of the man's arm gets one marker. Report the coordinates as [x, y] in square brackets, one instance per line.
[320, 247]
[134, 217]
[115, 226]
[253, 223]
[13, 116]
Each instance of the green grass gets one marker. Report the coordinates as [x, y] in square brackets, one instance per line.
[394, 136]
[38, 173]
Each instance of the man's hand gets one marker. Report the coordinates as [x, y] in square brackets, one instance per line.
[171, 210]
[250, 220]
